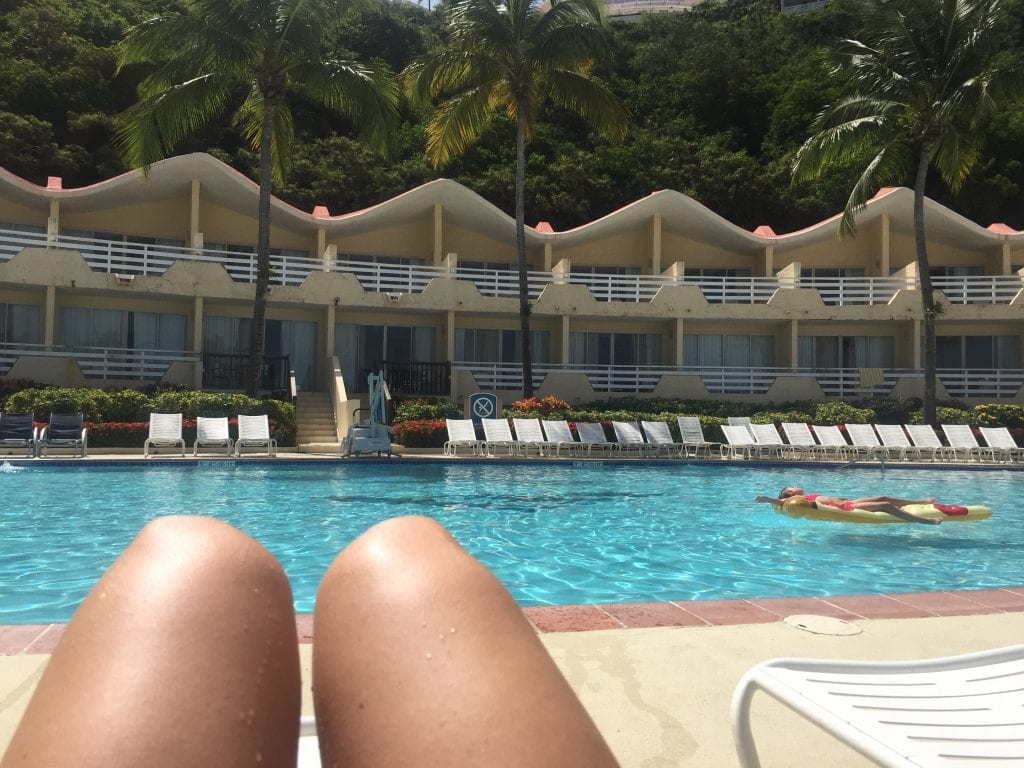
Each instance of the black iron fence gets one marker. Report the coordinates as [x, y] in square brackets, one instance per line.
[414, 378]
[228, 372]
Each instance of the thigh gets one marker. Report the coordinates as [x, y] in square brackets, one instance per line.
[421, 657]
[183, 654]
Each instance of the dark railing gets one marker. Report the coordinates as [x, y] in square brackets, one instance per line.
[415, 378]
[228, 372]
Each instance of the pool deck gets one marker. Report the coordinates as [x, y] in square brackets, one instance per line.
[658, 677]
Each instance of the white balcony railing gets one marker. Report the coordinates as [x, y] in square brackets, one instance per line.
[102, 362]
[114, 256]
[840, 382]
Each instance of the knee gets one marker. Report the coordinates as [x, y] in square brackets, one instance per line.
[204, 545]
[396, 550]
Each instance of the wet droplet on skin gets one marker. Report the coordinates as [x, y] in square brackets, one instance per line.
[452, 630]
[430, 656]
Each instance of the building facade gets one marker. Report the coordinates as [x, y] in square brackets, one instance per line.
[147, 278]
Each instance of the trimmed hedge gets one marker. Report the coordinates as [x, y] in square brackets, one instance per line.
[121, 409]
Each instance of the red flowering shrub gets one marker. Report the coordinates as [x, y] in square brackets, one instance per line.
[421, 433]
[549, 407]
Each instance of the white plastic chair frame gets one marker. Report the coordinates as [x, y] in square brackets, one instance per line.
[559, 435]
[212, 432]
[254, 432]
[692, 435]
[950, 711]
[164, 432]
[461, 434]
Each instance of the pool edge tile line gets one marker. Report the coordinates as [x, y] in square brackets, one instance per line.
[25, 639]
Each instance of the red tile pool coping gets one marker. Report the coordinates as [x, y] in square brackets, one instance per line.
[20, 639]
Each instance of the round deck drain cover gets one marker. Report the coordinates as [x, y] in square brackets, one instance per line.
[822, 625]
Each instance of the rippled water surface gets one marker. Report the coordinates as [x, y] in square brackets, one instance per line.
[554, 534]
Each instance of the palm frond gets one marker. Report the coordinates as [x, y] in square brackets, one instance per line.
[954, 155]
[248, 118]
[456, 124]
[151, 129]
[590, 99]
[368, 95]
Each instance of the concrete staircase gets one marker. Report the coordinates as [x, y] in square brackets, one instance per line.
[314, 418]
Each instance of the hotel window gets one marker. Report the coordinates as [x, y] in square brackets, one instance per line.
[728, 351]
[19, 324]
[360, 348]
[493, 345]
[604, 349]
[120, 329]
[294, 339]
[977, 352]
[833, 352]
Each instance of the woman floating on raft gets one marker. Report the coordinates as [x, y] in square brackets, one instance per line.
[793, 498]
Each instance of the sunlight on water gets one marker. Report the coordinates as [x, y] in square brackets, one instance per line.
[553, 534]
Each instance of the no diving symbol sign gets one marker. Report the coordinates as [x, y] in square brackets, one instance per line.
[482, 405]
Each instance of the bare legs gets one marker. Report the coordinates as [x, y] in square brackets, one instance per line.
[185, 654]
[409, 629]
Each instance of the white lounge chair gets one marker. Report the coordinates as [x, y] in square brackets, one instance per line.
[740, 421]
[864, 440]
[212, 432]
[692, 435]
[530, 436]
[1002, 443]
[558, 434]
[65, 430]
[740, 443]
[592, 436]
[964, 444]
[800, 439]
[461, 434]
[629, 437]
[769, 442]
[254, 432]
[952, 711]
[498, 434]
[926, 441]
[164, 432]
[832, 441]
[659, 438]
[896, 442]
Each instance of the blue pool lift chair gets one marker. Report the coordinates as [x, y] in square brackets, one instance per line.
[17, 430]
[65, 430]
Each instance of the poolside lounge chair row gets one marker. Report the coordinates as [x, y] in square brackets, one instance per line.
[550, 437]
[65, 430]
[916, 442]
[211, 432]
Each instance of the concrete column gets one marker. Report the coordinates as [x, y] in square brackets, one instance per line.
[438, 234]
[328, 255]
[656, 243]
[1006, 264]
[49, 315]
[768, 267]
[450, 263]
[794, 343]
[560, 272]
[53, 224]
[565, 339]
[330, 312]
[886, 244]
[678, 351]
[197, 339]
[449, 349]
[193, 217]
[548, 259]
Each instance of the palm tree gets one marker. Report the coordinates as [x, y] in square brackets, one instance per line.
[511, 56]
[925, 73]
[257, 54]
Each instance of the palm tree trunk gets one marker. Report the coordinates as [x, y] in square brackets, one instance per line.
[924, 275]
[524, 286]
[257, 334]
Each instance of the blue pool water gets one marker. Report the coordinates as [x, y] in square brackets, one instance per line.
[554, 534]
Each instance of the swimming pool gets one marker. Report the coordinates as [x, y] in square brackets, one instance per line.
[554, 534]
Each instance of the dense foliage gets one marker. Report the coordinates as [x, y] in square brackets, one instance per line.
[721, 97]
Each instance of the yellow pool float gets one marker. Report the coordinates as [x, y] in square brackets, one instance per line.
[817, 511]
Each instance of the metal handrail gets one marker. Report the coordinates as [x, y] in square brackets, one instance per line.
[102, 362]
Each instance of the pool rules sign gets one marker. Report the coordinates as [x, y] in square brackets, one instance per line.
[482, 405]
